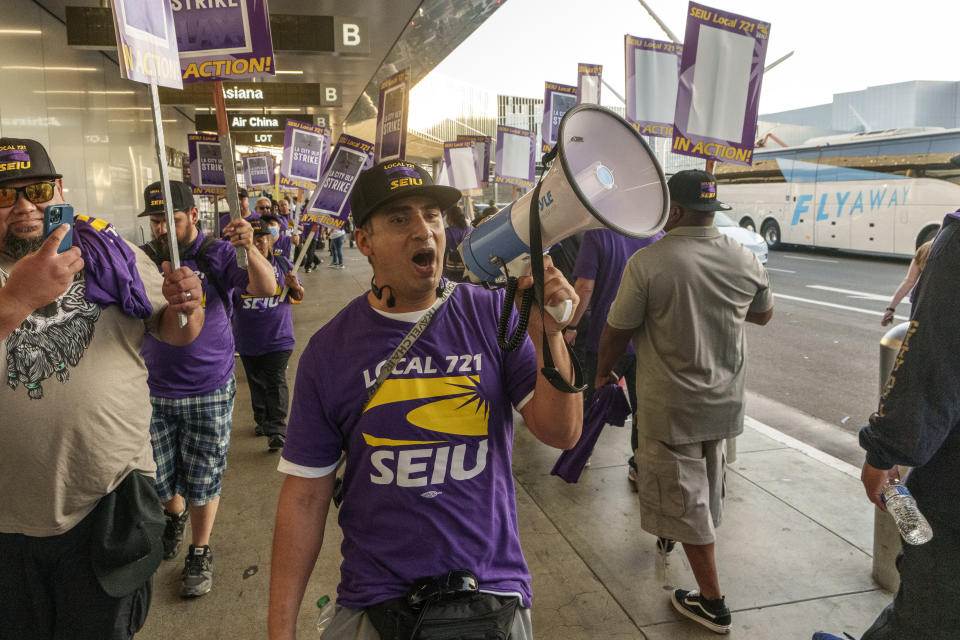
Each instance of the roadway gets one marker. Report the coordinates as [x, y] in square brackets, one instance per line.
[812, 372]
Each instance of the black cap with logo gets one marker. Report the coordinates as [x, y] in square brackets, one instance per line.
[261, 225]
[180, 192]
[22, 158]
[391, 180]
[696, 190]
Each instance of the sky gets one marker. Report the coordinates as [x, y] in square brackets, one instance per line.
[839, 45]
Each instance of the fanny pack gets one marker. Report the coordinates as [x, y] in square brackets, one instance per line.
[450, 607]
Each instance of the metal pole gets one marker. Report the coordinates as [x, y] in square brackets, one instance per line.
[660, 22]
[776, 62]
[165, 185]
[229, 168]
[296, 266]
[612, 90]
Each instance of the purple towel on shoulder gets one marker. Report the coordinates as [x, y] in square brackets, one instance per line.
[111, 268]
[609, 406]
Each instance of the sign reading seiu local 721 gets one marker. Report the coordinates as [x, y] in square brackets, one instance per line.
[719, 92]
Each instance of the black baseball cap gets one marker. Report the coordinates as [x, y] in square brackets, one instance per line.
[261, 225]
[391, 180]
[242, 193]
[24, 158]
[696, 190]
[180, 192]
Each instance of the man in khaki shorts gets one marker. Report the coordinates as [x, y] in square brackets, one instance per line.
[683, 301]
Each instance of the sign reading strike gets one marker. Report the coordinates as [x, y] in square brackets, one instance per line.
[557, 100]
[719, 92]
[652, 77]
[329, 206]
[258, 169]
[223, 39]
[206, 164]
[147, 42]
[588, 83]
[305, 148]
[463, 166]
[392, 111]
[516, 156]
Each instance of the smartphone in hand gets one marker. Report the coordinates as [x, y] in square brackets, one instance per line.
[54, 216]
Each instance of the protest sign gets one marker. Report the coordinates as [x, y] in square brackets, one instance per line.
[652, 68]
[329, 205]
[516, 156]
[305, 148]
[588, 83]
[258, 169]
[557, 100]
[719, 92]
[463, 166]
[482, 144]
[391, 142]
[147, 42]
[206, 164]
[223, 40]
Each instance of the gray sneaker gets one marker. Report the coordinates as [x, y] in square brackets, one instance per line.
[173, 532]
[197, 574]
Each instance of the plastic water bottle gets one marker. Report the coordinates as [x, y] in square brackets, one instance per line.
[901, 504]
[327, 609]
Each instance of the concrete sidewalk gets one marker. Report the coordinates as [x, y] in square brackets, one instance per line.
[794, 550]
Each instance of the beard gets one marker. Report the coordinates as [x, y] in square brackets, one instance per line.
[20, 247]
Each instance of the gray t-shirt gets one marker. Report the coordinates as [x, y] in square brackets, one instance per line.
[686, 298]
[75, 417]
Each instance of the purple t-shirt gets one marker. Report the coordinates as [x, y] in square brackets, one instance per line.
[282, 247]
[264, 325]
[428, 485]
[206, 363]
[603, 256]
[455, 236]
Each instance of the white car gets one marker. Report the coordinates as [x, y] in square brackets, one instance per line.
[750, 239]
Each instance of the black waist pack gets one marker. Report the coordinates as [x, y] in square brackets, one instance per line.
[478, 616]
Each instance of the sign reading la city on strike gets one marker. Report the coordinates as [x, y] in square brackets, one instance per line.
[305, 148]
[223, 39]
[147, 42]
[463, 166]
[653, 71]
[516, 156]
[719, 92]
[329, 206]
[391, 143]
[206, 164]
[482, 144]
[557, 100]
[258, 169]
[588, 83]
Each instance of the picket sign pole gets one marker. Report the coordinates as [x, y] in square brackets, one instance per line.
[303, 253]
[165, 185]
[229, 167]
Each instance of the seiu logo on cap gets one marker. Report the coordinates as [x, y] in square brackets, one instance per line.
[14, 159]
[708, 190]
[411, 178]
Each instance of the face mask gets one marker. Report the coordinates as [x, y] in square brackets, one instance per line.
[275, 232]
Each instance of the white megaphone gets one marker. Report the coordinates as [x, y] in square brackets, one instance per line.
[606, 176]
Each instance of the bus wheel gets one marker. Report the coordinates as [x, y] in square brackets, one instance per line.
[928, 234]
[771, 233]
[747, 223]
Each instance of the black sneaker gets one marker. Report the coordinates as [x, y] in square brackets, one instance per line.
[665, 545]
[197, 574]
[258, 431]
[275, 443]
[173, 532]
[712, 614]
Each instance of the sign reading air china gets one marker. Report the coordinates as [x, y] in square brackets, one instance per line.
[147, 42]
[223, 39]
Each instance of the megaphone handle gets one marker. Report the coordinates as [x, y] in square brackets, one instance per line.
[561, 312]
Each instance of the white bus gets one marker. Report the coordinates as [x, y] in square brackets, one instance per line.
[879, 192]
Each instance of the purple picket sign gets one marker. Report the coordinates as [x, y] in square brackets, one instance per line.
[147, 42]
[516, 156]
[391, 142]
[557, 100]
[463, 166]
[721, 73]
[206, 164]
[305, 148]
[483, 155]
[223, 40]
[588, 82]
[258, 169]
[329, 205]
[652, 68]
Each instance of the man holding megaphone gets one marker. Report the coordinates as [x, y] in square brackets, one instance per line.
[419, 399]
